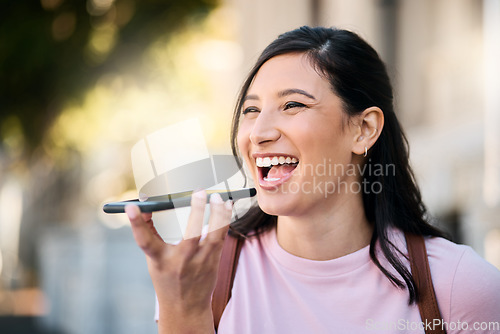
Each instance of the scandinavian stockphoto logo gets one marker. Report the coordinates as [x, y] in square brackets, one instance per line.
[328, 178]
[176, 159]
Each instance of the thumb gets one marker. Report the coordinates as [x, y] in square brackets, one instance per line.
[145, 234]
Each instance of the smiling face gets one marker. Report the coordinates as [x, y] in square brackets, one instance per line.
[295, 138]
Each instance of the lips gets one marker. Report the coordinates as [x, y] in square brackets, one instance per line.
[274, 170]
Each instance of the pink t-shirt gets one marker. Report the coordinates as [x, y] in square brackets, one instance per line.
[276, 292]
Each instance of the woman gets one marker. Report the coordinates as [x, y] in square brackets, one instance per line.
[325, 248]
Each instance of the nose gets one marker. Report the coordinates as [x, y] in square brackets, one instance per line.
[264, 129]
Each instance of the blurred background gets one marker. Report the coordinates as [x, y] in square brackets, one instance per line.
[82, 81]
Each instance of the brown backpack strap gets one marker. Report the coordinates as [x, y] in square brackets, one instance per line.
[225, 277]
[427, 303]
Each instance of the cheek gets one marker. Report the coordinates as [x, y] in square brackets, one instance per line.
[243, 136]
[327, 143]
[244, 145]
[243, 141]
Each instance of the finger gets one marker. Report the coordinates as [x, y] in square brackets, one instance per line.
[195, 220]
[220, 217]
[152, 227]
[144, 236]
[147, 216]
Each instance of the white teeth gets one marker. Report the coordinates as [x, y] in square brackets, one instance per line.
[271, 179]
[273, 161]
[263, 162]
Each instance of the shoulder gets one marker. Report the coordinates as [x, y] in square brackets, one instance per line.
[467, 286]
[254, 246]
[462, 265]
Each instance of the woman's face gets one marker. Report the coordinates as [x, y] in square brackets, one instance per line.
[294, 137]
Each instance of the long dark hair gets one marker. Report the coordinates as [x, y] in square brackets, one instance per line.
[359, 77]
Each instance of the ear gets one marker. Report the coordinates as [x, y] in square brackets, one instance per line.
[369, 126]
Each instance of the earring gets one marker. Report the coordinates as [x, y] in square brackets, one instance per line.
[366, 152]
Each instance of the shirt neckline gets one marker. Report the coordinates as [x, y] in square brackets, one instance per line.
[307, 267]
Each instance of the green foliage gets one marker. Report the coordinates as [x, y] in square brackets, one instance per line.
[51, 51]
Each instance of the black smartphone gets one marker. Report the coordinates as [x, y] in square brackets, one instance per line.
[177, 200]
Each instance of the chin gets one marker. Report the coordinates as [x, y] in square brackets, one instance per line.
[276, 204]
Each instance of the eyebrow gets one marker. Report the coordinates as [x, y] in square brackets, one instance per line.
[283, 93]
[291, 91]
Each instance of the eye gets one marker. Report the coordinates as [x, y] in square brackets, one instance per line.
[250, 110]
[292, 104]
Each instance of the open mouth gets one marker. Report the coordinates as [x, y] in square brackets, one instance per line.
[275, 170]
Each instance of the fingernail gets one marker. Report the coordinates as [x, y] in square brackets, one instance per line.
[200, 194]
[229, 204]
[215, 198]
[131, 211]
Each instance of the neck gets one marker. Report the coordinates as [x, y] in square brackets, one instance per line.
[338, 230]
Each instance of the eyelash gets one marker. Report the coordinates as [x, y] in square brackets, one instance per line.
[293, 104]
[250, 110]
[287, 106]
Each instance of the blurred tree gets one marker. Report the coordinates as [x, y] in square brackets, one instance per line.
[52, 50]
